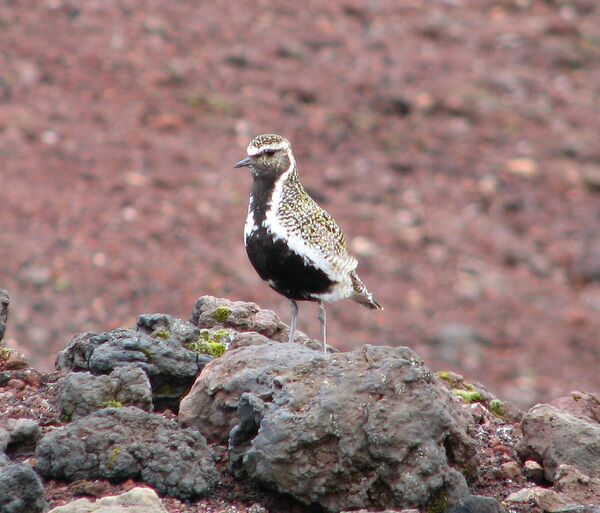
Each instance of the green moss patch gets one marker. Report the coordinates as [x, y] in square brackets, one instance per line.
[468, 396]
[211, 342]
[111, 403]
[497, 408]
[113, 457]
[221, 314]
[146, 352]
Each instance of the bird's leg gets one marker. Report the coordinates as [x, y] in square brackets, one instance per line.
[294, 319]
[323, 321]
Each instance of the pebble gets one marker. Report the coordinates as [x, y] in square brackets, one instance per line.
[524, 167]
[534, 471]
[510, 470]
[16, 384]
[548, 500]
[15, 361]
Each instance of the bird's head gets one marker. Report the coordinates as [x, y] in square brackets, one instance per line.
[269, 156]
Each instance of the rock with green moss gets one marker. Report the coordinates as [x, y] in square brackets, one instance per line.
[212, 312]
[166, 327]
[81, 393]
[157, 347]
[222, 314]
[451, 378]
[127, 443]
[476, 393]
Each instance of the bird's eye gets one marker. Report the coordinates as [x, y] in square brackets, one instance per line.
[269, 153]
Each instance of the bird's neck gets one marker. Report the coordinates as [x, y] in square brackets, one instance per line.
[267, 194]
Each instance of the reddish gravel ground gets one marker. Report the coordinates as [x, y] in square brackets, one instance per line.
[456, 142]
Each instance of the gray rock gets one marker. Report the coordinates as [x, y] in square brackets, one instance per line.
[137, 500]
[20, 489]
[580, 404]
[533, 471]
[212, 404]
[371, 428]
[4, 302]
[573, 492]
[171, 368]
[576, 487]
[166, 326]
[128, 443]
[553, 437]
[545, 499]
[477, 504]
[213, 312]
[81, 393]
[19, 436]
[4, 441]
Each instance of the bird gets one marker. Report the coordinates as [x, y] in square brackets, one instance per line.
[294, 245]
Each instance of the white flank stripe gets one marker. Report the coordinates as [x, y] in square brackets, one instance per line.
[311, 255]
[250, 226]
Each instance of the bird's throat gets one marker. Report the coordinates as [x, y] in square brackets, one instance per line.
[266, 194]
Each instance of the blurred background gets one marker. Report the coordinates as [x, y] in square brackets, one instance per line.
[456, 142]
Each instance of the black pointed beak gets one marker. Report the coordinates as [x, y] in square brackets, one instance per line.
[244, 163]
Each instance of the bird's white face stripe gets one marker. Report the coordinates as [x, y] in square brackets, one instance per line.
[253, 150]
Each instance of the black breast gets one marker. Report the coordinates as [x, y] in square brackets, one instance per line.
[283, 269]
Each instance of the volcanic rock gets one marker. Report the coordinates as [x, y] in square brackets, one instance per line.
[553, 437]
[138, 500]
[213, 312]
[82, 392]
[20, 488]
[171, 368]
[128, 443]
[371, 428]
[212, 404]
